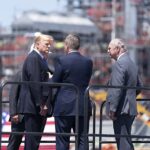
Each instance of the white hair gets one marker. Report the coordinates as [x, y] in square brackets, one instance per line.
[36, 34]
[31, 48]
[119, 43]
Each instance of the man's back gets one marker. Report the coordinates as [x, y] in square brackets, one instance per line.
[75, 69]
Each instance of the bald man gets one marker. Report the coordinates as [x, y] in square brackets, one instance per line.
[121, 104]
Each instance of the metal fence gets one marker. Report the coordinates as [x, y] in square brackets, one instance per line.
[92, 135]
[52, 85]
[100, 135]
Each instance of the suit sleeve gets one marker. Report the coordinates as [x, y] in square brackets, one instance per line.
[58, 73]
[33, 69]
[117, 79]
[139, 84]
[90, 68]
[14, 95]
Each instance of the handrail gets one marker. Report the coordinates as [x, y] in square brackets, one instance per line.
[109, 135]
[53, 85]
[100, 135]
[94, 123]
[86, 98]
[0, 115]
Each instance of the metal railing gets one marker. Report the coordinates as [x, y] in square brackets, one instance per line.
[52, 85]
[86, 99]
[100, 135]
[105, 135]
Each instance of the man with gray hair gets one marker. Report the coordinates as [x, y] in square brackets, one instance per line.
[121, 104]
[76, 69]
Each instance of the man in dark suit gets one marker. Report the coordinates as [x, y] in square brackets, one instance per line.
[121, 104]
[17, 120]
[76, 69]
[33, 98]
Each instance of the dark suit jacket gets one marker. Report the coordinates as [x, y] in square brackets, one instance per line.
[14, 95]
[75, 69]
[123, 101]
[32, 96]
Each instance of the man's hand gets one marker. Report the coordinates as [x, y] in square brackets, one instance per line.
[112, 115]
[15, 119]
[43, 110]
[49, 75]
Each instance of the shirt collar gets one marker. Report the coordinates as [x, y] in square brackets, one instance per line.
[38, 53]
[121, 55]
[72, 51]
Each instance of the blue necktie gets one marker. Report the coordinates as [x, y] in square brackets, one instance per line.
[45, 61]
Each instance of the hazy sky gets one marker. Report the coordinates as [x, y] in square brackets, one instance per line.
[9, 8]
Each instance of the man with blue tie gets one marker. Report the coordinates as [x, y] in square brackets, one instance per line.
[32, 101]
[121, 104]
[75, 69]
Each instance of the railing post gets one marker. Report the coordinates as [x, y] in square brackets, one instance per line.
[94, 123]
[100, 125]
[77, 119]
[1, 87]
[86, 117]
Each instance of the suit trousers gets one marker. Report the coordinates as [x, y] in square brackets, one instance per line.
[15, 140]
[64, 124]
[122, 125]
[33, 123]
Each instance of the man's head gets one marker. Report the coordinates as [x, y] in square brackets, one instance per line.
[115, 48]
[71, 42]
[42, 43]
